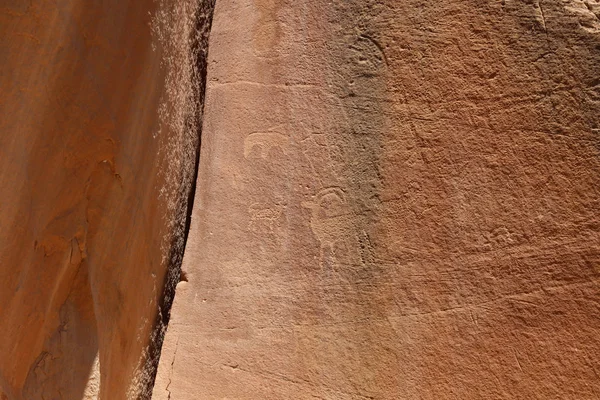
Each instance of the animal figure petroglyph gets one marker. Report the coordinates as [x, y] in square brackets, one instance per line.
[266, 141]
[264, 216]
[331, 220]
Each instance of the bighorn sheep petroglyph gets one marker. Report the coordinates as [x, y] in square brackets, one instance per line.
[332, 221]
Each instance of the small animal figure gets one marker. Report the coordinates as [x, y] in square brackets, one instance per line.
[265, 216]
[266, 141]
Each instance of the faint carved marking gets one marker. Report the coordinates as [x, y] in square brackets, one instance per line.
[540, 15]
[331, 220]
[324, 158]
[500, 238]
[368, 55]
[267, 32]
[517, 359]
[263, 217]
[266, 141]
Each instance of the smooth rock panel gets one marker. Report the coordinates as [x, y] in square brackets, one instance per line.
[91, 177]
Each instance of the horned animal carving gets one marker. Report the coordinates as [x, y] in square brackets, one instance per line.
[332, 220]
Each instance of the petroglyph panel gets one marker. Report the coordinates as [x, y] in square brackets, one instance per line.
[307, 122]
[426, 229]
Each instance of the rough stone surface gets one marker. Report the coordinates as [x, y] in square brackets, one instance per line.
[93, 169]
[396, 200]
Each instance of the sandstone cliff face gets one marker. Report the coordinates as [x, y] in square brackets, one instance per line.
[396, 199]
[94, 168]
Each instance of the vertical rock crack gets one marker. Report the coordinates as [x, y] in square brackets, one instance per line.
[199, 39]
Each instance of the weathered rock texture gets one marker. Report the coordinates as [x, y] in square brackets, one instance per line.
[396, 200]
[98, 141]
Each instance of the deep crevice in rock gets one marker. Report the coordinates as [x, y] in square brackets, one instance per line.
[199, 50]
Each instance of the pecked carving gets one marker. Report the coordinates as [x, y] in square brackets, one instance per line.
[331, 221]
[262, 217]
[265, 141]
[368, 56]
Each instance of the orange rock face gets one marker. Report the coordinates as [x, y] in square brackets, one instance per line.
[396, 200]
[93, 179]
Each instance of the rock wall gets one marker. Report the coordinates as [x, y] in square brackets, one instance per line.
[396, 199]
[98, 144]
